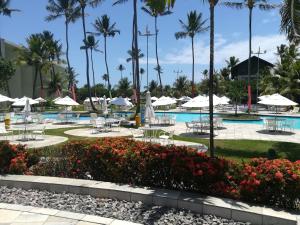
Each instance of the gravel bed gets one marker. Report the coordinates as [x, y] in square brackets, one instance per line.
[111, 208]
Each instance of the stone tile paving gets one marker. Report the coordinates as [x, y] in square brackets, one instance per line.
[47, 140]
[241, 131]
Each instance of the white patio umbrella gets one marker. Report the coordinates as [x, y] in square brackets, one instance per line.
[66, 101]
[121, 102]
[27, 108]
[149, 111]
[22, 101]
[40, 100]
[104, 106]
[263, 97]
[164, 101]
[153, 98]
[277, 100]
[94, 99]
[225, 100]
[184, 99]
[5, 99]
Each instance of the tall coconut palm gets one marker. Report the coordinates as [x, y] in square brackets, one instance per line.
[212, 4]
[92, 45]
[195, 25]
[121, 68]
[232, 62]
[105, 28]
[132, 55]
[142, 72]
[155, 9]
[70, 11]
[34, 54]
[250, 5]
[290, 20]
[105, 78]
[54, 50]
[5, 10]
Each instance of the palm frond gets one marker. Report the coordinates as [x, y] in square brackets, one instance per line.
[236, 5]
[180, 35]
[120, 2]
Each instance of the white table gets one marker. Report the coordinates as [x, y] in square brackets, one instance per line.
[151, 132]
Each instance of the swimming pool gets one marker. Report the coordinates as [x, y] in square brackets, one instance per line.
[188, 117]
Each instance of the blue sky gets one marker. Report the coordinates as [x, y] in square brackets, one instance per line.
[231, 36]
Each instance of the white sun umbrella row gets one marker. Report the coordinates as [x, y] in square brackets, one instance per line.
[164, 101]
[121, 102]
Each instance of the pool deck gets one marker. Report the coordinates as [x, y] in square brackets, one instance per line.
[237, 131]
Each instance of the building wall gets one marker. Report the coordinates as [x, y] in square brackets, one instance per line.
[21, 84]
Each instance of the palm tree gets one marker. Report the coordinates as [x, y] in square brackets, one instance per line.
[156, 8]
[142, 71]
[124, 87]
[195, 25]
[232, 62]
[70, 10]
[83, 4]
[236, 92]
[212, 4]
[92, 45]
[290, 20]
[103, 27]
[132, 55]
[121, 68]
[53, 49]
[250, 4]
[4, 8]
[134, 45]
[35, 55]
[181, 86]
[105, 78]
[153, 85]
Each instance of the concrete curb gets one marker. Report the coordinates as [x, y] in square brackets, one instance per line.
[65, 214]
[197, 203]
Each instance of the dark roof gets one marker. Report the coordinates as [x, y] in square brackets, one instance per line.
[242, 67]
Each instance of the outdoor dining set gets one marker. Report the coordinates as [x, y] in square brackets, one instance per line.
[199, 126]
[278, 124]
[103, 124]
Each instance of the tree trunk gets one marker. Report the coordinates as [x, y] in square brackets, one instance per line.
[193, 70]
[7, 89]
[67, 56]
[34, 81]
[133, 52]
[137, 70]
[87, 59]
[106, 65]
[156, 52]
[249, 59]
[93, 71]
[211, 80]
[42, 84]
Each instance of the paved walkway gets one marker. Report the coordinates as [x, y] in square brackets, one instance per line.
[47, 140]
[26, 215]
[90, 132]
[241, 131]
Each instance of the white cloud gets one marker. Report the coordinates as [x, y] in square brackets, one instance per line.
[223, 50]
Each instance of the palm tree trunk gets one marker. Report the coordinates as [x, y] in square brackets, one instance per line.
[193, 70]
[67, 56]
[106, 65]
[34, 81]
[87, 59]
[92, 62]
[137, 69]
[132, 50]
[249, 59]
[156, 52]
[42, 84]
[211, 80]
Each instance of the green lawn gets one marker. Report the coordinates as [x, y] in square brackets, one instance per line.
[233, 149]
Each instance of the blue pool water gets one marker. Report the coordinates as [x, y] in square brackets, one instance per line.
[188, 117]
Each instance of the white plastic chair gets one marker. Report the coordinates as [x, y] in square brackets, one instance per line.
[167, 137]
[40, 133]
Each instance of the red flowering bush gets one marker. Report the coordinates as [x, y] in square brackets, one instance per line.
[275, 182]
[13, 158]
[121, 160]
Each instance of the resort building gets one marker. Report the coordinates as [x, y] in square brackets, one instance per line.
[21, 84]
[240, 71]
